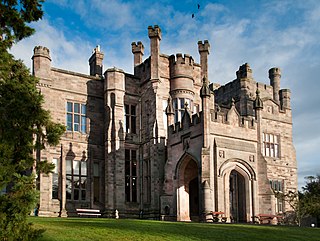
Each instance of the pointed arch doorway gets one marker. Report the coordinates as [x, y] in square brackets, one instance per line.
[187, 190]
[237, 197]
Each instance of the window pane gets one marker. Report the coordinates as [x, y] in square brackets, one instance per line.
[133, 155]
[134, 168]
[76, 167]
[127, 154]
[76, 182]
[69, 106]
[127, 123]
[83, 124]
[127, 189]
[133, 110]
[133, 124]
[77, 119]
[127, 168]
[68, 171]
[68, 187]
[182, 101]
[83, 195]
[56, 167]
[55, 186]
[76, 194]
[76, 108]
[83, 109]
[69, 122]
[83, 182]
[134, 189]
[83, 168]
[271, 138]
[175, 104]
[126, 109]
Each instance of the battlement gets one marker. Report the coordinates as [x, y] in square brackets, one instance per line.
[137, 47]
[186, 123]
[274, 72]
[41, 51]
[203, 47]
[154, 32]
[181, 65]
[244, 72]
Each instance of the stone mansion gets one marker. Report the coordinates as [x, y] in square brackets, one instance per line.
[164, 140]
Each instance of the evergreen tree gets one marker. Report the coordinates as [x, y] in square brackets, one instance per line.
[24, 125]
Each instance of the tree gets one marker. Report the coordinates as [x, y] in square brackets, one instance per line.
[14, 17]
[310, 196]
[24, 125]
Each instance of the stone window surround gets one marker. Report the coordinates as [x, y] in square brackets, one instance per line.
[81, 124]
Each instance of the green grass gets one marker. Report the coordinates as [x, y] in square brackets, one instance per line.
[110, 229]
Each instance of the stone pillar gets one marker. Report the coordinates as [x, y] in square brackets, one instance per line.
[63, 212]
[205, 94]
[138, 51]
[154, 34]
[204, 49]
[275, 76]
[95, 62]
[41, 61]
[207, 201]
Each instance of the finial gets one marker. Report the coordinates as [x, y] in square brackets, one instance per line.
[205, 90]
[258, 103]
[186, 105]
[169, 109]
[232, 101]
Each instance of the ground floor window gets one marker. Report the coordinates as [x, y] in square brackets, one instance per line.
[55, 179]
[96, 182]
[131, 175]
[76, 183]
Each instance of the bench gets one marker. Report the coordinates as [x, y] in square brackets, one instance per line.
[82, 212]
[265, 218]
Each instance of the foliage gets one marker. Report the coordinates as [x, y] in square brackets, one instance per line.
[310, 197]
[14, 17]
[22, 118]
[123, 229]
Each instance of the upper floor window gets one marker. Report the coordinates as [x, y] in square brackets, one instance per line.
[130, 119]
[131, 175]
[179, 107]
[76, 117]
[271, 145]
[76, 183]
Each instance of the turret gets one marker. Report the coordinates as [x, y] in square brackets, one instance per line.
[285, 96]
[138, 51]
[41, 61]
[275, 76]
[205, 94]
[95, 62]
[204, 50]
[244, 72]
[154, 34]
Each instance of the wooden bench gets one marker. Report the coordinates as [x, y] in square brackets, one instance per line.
[83, 212]
[265, 218]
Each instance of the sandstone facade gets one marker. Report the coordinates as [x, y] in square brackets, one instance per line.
[164, 142]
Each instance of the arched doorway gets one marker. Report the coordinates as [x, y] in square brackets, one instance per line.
[188, 190]
[237, 197]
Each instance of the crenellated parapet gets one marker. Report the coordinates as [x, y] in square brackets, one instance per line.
[244, 72]
[181, 65]
[154, 32]
[41, 51]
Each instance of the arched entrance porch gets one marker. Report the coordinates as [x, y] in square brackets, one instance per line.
[237, 179]
[187, 189]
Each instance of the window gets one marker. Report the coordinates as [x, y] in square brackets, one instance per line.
[55, 180]
[131, 175]
[96, 182]
[179, 107]
[76, 117]
[130, 118]
[277, 186]
[271, 145]
[76, 180]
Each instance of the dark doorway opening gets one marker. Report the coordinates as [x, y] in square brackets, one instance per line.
[194, 199]
[237, 197]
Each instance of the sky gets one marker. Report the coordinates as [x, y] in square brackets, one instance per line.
[263, 33]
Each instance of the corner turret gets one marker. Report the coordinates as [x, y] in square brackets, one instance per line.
[244, 72]
[275, 76]
[41, 61]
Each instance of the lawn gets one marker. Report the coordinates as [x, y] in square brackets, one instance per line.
[111, 229]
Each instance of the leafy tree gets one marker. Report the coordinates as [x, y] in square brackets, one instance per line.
[14, 17]
[25, 127]
[310, 197]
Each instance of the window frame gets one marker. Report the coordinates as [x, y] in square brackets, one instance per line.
[131, 175]
[77, 180]
[271, 145]
[76, 117]
[130, 118]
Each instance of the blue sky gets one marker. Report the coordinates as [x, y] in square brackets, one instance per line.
[264, 33]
